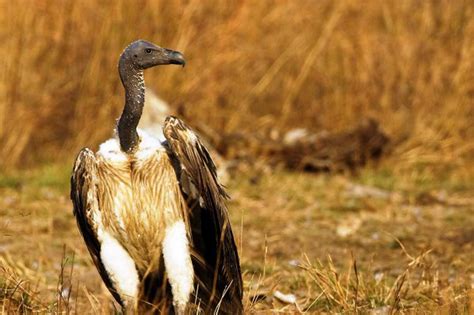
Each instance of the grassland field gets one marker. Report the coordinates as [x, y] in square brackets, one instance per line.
[370, 243]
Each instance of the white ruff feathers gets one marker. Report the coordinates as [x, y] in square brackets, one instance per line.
[110, 149]
[178, 264]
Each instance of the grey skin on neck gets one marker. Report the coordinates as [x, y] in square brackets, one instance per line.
[134, 84]
[138, 56]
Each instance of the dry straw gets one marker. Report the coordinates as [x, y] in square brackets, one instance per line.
[315, 64]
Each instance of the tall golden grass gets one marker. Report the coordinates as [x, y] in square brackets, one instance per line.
[251, 64]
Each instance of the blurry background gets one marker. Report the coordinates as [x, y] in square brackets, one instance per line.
[313, 64]
[253, 66]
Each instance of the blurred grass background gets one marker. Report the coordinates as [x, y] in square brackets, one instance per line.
[251, 64]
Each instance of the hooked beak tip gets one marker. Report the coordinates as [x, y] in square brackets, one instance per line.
[176, 58]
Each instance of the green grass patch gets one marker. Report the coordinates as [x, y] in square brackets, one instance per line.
[53, 176]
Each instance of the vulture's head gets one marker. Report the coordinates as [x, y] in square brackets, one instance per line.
[143, 55]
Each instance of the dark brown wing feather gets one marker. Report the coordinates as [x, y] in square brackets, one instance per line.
[215, 259]
[85, 200]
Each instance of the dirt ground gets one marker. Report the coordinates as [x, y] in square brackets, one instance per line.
[308, 243]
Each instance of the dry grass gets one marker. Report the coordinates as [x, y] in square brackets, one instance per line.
[252, 65]
[336, 243]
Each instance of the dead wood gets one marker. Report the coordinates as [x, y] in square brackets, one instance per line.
[301, 149]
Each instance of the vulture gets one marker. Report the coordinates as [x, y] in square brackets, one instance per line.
[152, 211]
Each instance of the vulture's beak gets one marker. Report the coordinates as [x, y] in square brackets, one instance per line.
[175, 57]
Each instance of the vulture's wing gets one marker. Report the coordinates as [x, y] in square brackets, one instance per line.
[84, 196]
[215, 257]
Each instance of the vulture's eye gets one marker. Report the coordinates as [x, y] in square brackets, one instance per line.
[148, 51]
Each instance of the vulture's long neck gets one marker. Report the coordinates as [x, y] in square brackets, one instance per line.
[134, 84]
